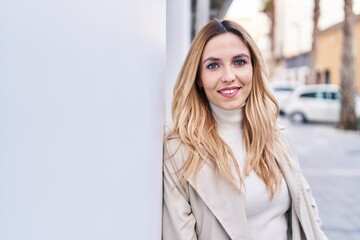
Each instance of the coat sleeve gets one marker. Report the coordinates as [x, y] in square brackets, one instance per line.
[178, 222]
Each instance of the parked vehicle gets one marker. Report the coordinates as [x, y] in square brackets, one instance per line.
[320, 102]
[283, 90]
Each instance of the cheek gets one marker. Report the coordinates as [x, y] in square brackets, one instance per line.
[247, 80]
[208, 80]
[248, 76]
[248, 86]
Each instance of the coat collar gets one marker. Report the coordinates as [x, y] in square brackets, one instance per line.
[228, 205]
[223, 201]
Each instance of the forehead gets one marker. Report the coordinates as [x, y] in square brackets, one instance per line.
[226, 43]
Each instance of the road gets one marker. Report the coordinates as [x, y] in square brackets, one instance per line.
[330, 160]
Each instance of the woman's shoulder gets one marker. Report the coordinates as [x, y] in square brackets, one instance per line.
[283, 133]
[286, 142]
[172, 142]
[175, 151]
[281, 127]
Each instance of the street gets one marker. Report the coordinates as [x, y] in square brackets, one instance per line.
[330, 160]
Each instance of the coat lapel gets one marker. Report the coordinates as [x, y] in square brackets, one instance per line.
[223, 201]
[293, 181]
[293, 178]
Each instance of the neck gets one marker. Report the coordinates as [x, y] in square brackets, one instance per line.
[228, 120]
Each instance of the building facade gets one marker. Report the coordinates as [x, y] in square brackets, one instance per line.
[329, 53]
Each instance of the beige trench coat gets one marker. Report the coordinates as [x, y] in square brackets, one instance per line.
[211, 209]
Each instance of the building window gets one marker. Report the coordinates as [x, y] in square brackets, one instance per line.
[318, 77]
[327, 76]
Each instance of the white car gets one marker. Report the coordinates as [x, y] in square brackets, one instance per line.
[319, 102]
[283, 90]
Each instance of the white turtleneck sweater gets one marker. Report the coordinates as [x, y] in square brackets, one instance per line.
[267, 218]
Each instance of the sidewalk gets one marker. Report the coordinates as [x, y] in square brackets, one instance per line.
[330, 159]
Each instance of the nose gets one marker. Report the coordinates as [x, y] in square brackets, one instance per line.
[228, 75]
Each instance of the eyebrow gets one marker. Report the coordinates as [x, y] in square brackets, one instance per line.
[236, 56]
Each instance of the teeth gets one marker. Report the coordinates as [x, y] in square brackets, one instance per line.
[228, 91]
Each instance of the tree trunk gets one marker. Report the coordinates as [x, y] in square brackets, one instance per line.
[313, 53]
[269, 10]
[347, 73]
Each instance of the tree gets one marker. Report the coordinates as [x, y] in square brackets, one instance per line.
[313, 53]
[269, 10]
[347, 72]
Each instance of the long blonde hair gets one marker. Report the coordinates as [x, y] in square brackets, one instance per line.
[194, 124]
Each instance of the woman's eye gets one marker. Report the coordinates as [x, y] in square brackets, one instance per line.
[240, 62]
[212, 66]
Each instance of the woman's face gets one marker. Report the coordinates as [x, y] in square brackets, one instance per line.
[226, 71]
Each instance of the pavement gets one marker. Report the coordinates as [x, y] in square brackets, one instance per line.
[330, 160]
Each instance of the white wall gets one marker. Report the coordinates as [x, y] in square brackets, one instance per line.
[178, 37]
[81, 119]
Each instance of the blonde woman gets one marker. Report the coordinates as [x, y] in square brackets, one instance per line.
[229, 171]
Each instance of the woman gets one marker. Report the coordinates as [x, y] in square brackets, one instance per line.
[229, 171]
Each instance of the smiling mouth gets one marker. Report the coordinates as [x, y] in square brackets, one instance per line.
[228, 91]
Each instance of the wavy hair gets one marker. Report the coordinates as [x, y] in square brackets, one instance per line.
[194, 124]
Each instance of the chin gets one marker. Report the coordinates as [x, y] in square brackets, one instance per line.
[231, 107]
